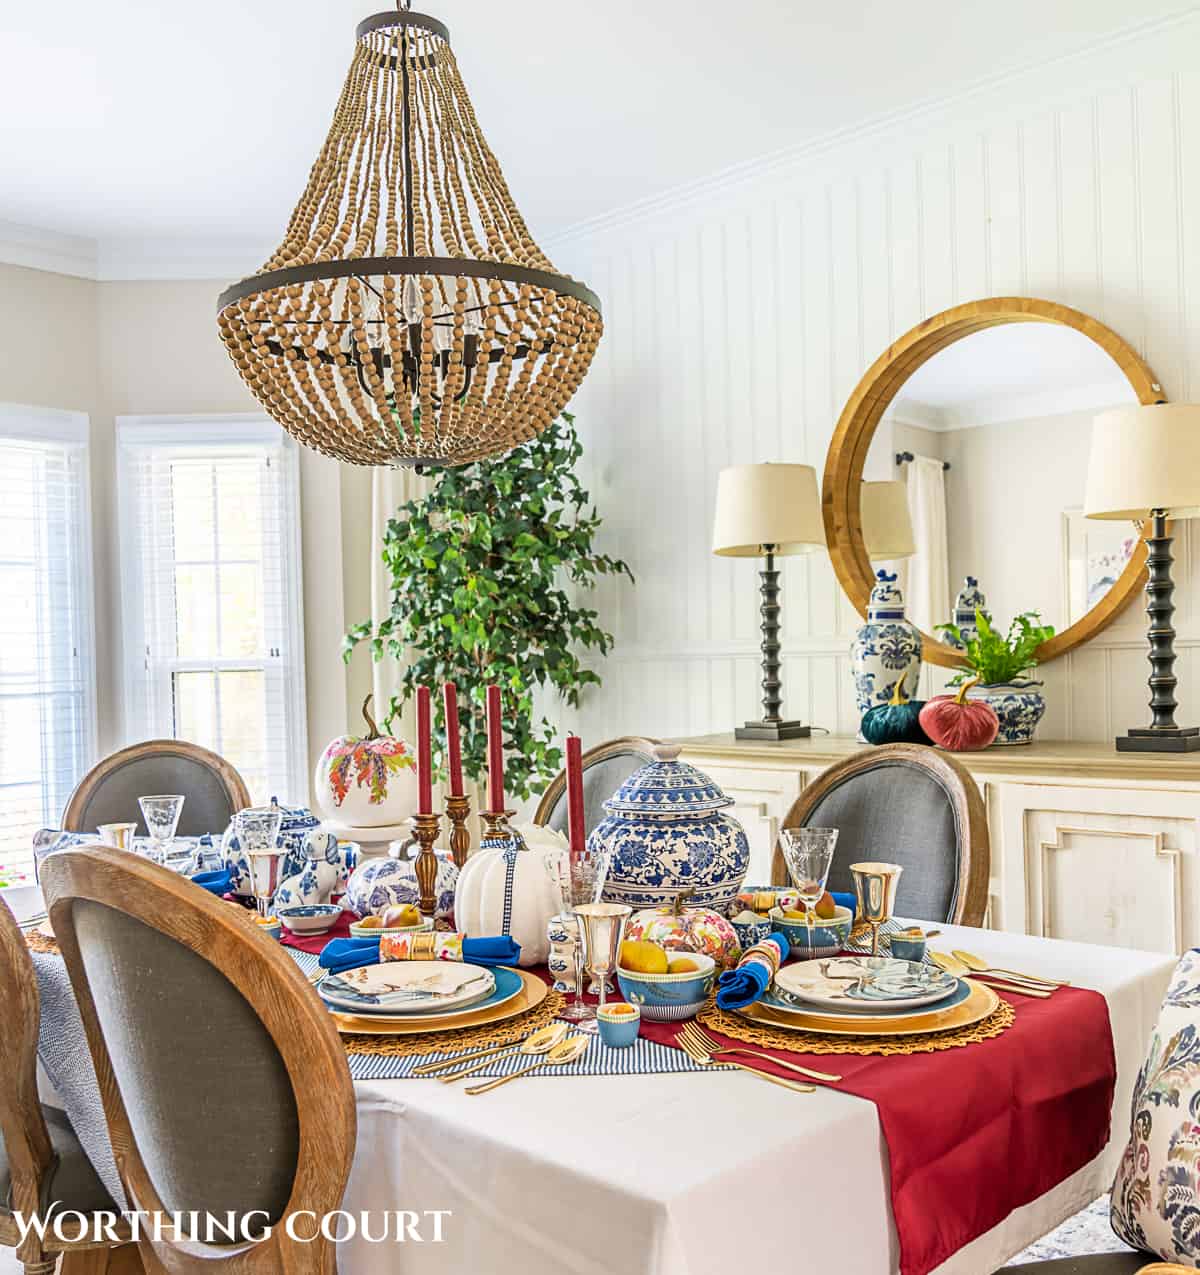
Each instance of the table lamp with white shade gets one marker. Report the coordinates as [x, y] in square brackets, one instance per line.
[886, 523]
[1145, 463]
[764, 511]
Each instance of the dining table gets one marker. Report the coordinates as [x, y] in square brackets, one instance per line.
[698, 1172]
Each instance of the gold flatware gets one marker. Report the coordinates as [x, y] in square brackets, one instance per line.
[541, 1041]
[951, 964]
[551, 1034]
[566, 1051]
[1022, 989]
[699, 1037]
[979, 966]
[702, 1056]
[955, 965]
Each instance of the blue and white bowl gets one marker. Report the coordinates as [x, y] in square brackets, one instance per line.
[670, 998]
[751, 932]
[309, 918]
[618, 1024]
[827, 939]
[1019, 706]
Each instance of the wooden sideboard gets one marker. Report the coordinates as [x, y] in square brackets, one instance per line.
[1087, 843]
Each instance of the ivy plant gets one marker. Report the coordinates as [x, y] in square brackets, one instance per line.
[992, 657]
[486, 571]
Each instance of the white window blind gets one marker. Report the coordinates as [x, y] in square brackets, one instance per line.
[47, 703]
[210, 553]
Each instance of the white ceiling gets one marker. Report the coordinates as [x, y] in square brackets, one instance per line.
[130, 120]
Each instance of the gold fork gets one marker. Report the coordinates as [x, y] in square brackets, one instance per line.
[705, 1041]
[701, 1055]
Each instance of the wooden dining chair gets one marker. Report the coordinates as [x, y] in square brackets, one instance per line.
[225, 1085]
[907, 804]
[605, 768]
[109, 792]
[43, 1169]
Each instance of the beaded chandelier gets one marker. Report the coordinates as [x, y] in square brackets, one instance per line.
[408, 317]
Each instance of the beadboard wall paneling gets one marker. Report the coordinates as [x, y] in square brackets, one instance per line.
[739, 318]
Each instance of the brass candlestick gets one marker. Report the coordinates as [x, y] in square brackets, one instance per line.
[458, 810]
[496, 826]
[425, 829]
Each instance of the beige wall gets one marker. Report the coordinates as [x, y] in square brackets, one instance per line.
[116, 349]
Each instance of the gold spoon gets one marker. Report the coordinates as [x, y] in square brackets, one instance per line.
[539, 1042]
[951, 964]
[566, 1051]
[980, 966]
[958, 968]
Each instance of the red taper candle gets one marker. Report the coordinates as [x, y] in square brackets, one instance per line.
[495, 734]
[424, 761]
[453, 742]
[577, 835]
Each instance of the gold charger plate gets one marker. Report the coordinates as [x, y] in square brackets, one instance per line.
[532, 993]
[981, 1002]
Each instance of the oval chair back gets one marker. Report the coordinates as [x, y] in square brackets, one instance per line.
[109, 792]
[906, 804]
[605, 768]
[225, 1085]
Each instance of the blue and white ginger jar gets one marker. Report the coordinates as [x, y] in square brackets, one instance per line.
[1018, 705]
[326, 871]
[887, 649]
[665, 831]
[297, 822]
[383, 883]
[970, 599]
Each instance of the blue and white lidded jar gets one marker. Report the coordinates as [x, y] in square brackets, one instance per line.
[887, 649]
[970, 599]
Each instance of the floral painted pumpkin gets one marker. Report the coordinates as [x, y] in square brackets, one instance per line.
[368, 781]
[896, 722]
[683, 929]
[958, 724]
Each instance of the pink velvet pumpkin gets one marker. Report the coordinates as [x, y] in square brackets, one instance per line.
[958, 724]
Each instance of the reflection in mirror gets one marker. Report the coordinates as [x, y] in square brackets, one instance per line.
[998, 427]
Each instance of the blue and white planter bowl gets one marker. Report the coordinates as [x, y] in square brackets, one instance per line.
[1018, 705]
[297, 823]
[666, 830]
[827, 938]
[380, 883]
[309, 918]
[670, 998]
[886, 650]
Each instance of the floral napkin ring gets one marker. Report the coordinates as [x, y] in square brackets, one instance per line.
[765, 900]
[428, 945]
[765, 953]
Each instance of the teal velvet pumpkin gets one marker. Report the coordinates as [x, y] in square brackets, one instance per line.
[897, 722]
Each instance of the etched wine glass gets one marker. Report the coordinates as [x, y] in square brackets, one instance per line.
[258, 833]
[161, 814]
[808, 853]
[580, 879]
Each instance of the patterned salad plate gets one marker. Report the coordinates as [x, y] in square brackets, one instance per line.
[407, 987]
[533, 991]
[867, 983]
[507, 985]
[980, 1002]
[787, 1004]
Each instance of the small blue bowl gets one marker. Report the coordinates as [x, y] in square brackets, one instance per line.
[669, 998]
[907, 949]
[751, 932]
[310, 918]
[619, 1024]
[827, 939]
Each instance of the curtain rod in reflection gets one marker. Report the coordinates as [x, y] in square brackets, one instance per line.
[903, 457]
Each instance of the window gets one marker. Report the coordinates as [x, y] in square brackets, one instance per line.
[210, 554]
[47, 706]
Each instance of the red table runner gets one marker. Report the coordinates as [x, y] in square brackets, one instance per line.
[972, 1133]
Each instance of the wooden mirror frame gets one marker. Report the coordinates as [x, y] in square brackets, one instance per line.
[873, 395]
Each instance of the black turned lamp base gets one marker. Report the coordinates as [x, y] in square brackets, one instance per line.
[1177, 739]
[773, 730]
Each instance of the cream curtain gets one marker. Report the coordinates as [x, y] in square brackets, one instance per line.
[927, 592]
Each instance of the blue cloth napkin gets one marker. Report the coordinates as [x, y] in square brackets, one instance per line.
[340, 955]
[217, 882]
[845, 901]
[742, 986]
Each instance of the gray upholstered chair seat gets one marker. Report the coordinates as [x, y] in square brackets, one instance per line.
[72, 1183]
[1090, 1264]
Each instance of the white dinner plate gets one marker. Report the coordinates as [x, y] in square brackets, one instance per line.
[508, 984]
[784, 1003]
[872, 984]
[403, 987]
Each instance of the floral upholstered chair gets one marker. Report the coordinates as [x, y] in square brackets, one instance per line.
[1156, 1194]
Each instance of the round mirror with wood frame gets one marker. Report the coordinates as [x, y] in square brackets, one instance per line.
[866, 407]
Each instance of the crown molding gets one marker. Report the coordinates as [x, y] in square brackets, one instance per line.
[229, 258]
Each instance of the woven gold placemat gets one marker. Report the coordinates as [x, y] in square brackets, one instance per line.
[507, 1032]
[998, 1021]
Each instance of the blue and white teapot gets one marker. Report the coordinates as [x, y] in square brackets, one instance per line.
[666, 830]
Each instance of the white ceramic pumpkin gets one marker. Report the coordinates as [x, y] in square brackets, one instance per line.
[505, 891]
[367, 781]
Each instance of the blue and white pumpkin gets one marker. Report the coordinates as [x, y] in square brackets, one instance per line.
[381, 883]
[666, 830]
[326, 873]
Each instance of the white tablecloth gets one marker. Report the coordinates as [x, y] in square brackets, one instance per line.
[693, 1174]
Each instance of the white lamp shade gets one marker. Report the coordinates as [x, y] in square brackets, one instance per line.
[1142, 459]
[775, 505]
[886, 525]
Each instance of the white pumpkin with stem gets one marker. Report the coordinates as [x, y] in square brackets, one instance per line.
[367, 781]
[504, 888]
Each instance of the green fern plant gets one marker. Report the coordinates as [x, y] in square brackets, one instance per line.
[992, 658]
